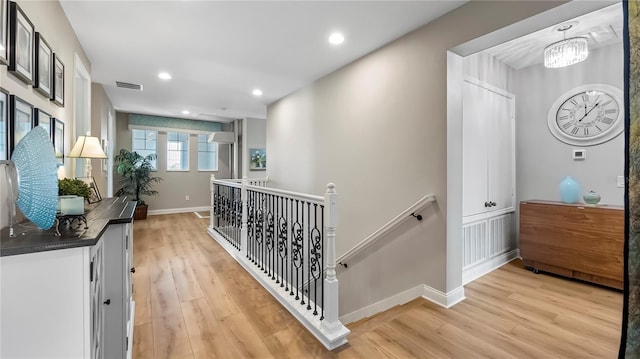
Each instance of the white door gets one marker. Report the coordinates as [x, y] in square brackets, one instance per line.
[501, 153]
[488, 149]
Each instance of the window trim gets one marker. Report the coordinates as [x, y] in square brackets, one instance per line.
[187, 169]
[215, 169]
[155, 169]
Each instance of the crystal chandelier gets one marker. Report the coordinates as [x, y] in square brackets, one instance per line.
[566, 52]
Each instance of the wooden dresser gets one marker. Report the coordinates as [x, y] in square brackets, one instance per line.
[574, 240]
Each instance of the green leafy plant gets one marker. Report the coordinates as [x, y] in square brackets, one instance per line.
[136, 175]
[73, 186]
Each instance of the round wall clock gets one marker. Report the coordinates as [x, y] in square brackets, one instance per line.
[587, 115]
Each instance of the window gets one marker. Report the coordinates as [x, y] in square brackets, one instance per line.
[144, 143]
[207, 154]
[177, 151]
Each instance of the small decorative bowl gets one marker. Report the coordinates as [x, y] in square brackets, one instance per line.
[591, 198]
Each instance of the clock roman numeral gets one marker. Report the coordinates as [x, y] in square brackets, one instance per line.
[613, 110]
[585, 131]
[585, 97]
[605, 104]
[567, 125]
[599, 129]
[607, 120]
[575, 130]
[563, 118]
[574, 102]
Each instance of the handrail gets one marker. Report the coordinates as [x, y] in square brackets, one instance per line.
[262, 182]
[237, 183]
[385, 229]
[295, 195]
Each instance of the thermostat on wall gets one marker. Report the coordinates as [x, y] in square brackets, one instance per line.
[579, 154]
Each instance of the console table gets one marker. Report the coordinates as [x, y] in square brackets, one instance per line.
[574, 240]
[69, 295]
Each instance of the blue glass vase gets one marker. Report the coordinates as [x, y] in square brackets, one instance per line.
[569, 190]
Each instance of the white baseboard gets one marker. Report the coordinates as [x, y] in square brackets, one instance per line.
[443, 299]
[385, 304]
[478, 270]
[177, 210]
[446, 300]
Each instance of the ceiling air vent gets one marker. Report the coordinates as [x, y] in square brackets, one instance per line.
[130, 86]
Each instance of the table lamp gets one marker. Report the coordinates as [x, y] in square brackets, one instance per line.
[87, 147]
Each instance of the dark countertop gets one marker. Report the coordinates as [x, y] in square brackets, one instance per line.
[30, 239]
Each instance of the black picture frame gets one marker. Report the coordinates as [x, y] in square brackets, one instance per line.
[4, 124]
[21, 44]
[45, 120]
[4, 32]
[58, 139]
[94, 193]
[43, 65]
[20, 120]
[57, 95]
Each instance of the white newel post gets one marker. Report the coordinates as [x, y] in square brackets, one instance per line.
[245, 211]
[331, 322]
[211, 188]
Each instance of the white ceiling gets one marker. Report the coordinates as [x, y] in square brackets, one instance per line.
[602, 27]
[218, 52]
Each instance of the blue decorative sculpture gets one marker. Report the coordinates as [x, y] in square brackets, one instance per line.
[569, 190]
[35, 161]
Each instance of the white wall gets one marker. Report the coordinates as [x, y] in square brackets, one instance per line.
[49, 19]
[378, 129]
[542, 160]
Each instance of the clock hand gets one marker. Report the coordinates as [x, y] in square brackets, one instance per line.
[588, 112]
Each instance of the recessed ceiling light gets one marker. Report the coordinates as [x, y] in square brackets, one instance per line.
[336, 38]
[185, 112]
[164, 76]
[257, 92]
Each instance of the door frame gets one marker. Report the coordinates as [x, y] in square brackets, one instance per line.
[455, 75]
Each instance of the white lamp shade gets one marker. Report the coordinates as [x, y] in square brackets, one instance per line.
[87, 147]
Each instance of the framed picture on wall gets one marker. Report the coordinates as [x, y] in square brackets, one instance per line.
[43, 65]
[21, 39]
[45, 120]
[105, 148]
[257, 159]
[4, 31]
[57, 96]
[58, 139]
[20, 121]
[4, 124]
[94, 193]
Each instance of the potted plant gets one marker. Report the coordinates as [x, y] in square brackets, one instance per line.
[72, 193]
[73, 186]
[136, 178]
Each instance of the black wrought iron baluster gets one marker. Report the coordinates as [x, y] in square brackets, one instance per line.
[282, 240]
[238, 218]
[216, 203]
[315, 260]
[322, 262]
[297, 253]
[259, 230]
[250, 225]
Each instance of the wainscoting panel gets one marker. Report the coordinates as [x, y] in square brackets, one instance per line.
[486, 245]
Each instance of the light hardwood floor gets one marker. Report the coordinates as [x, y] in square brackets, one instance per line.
[194, 301]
